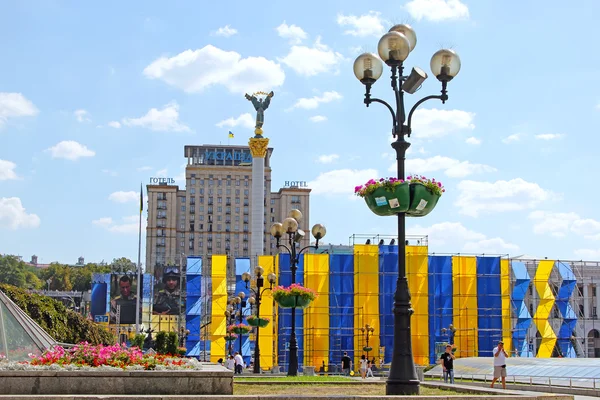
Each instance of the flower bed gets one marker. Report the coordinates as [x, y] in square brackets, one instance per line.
[255, 321]
[293, 296]
[424, 195]
[239, 329]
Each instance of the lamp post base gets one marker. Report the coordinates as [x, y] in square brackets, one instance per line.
[402, 387]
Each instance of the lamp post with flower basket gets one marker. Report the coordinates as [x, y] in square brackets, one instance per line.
[256, 320]
[292, 235]
[393, 48]
[368, 330]
[239, 302]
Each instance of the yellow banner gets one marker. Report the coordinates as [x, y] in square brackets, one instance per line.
[316, 316]
[540, 319]
[266, 338]
[464, 282]
[219, 305]
[417, 273]
[505, 294]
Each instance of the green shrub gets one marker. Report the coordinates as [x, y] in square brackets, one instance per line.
[160, 345]
[63, 325]
[172, 343]
[138, 340]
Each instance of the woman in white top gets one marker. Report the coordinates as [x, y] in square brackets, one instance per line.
[230, 363]
[363, 366]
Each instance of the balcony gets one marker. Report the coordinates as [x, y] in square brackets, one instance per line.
[160, 244]
[161, 217]
[161, 207]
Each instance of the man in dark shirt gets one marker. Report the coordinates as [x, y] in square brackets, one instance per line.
[346, 364]
[448, 364]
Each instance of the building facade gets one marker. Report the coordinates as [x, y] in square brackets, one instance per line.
[212, 213]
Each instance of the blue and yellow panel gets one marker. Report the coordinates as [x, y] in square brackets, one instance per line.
[506, 308]
[285, 314]
[464, 276]
[267, 337]
[341, 303]
[388, 278]
[316, 317]
[219, 305]
[366, 298]
[489, 304]
[243, 265]
[418, 283]
[542, 313]
[440, 303]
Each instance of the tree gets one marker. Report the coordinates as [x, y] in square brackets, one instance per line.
[123, 265]
[12, 271]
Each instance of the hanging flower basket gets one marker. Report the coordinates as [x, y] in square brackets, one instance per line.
[260, 322]
[424, 195]
[231, 337]
[386, 196]
[293, 296]
[239, 329]
[367, 348]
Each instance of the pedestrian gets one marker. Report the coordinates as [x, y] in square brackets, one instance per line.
[239, 363]
[499, 364]
[363, 366]
[346, 364]
[230, 363]
[448, 364]
[370, 369]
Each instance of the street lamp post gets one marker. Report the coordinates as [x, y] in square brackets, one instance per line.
[393, 48]
[230, 319]
[368, 330]
[260, 282]
[240, 302]
[289, 227]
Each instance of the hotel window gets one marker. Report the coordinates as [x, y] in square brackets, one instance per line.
[219, 192]
[219, 200]
[272, 201]
[182, 226]
[295, 199]
[182, 244]
[237, 210]
[237, 200]
[181, 235]
[193, 191]
[228, 183]
[219, 218]
[218, 182]
[210, 192]
[237, 183]
[246, 209]
[202, 191]
[219, 227]
[272, 210]
[192, 217]
[201, 208]
[201, 217]
[210, 182]
[246, 192]
[201, 182]
[182, 208]
[237, 192]
[191, 236]
[200, 243]
[183, 199]
[245, 183]
[219, 209]
[245, 219]
[228, 192]
[192, 209]
[201, 200]
[193, 181]
[210, 209]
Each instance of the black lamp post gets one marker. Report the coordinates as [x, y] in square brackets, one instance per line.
[260, 282]
[289, 227]
[240, 303]
[368, 330]
[393, 48]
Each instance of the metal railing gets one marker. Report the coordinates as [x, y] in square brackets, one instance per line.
[557, 381]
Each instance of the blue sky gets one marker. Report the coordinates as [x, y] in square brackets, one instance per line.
[96, 98]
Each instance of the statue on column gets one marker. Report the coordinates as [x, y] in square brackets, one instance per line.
[260, 105]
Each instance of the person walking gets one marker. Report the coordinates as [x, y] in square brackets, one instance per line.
[346, 364]
[230, 363]
[370, 369]
[363, 366]
[499, 364]
[239, 363]
[448, 364]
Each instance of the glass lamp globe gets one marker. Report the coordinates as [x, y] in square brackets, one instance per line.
[445, 64]
[259, 271]
[318, 231]
[246, 277]
[368, 68]
[277, 230]
[296, 214]
[290, 225]
[271, 277]
[393, 48]
[407, 31]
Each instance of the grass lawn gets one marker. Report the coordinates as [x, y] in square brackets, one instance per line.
[299, 378]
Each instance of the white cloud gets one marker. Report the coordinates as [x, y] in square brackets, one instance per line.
[310, 61]
[549, 136]
[437, 10]
[114, 124]
[588, 254]
[512, 138]
[318, 118]
[14, 105]
[473, 141]
[456, 235]
[451, 167]
[144, 168]
[82, 116]
[340, 181]
[327, 158]
[105, 221]
[225, 31]
[70, 150]
[7, 170]
[128, 225]
[294, 33]
[161, 173]
[13, 215]
[369, 24]
[165, 120]
[124, 197]
[195, 70]
[433, 123]
[560, 224]
[475, 197]
[313, 102]
[246, 120]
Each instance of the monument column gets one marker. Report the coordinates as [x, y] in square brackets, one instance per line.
[258, 148]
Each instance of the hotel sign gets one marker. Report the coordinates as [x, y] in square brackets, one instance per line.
[228, 155]
[296, 184]
[162, 181]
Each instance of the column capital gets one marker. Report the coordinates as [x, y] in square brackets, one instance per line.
[258, 147]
